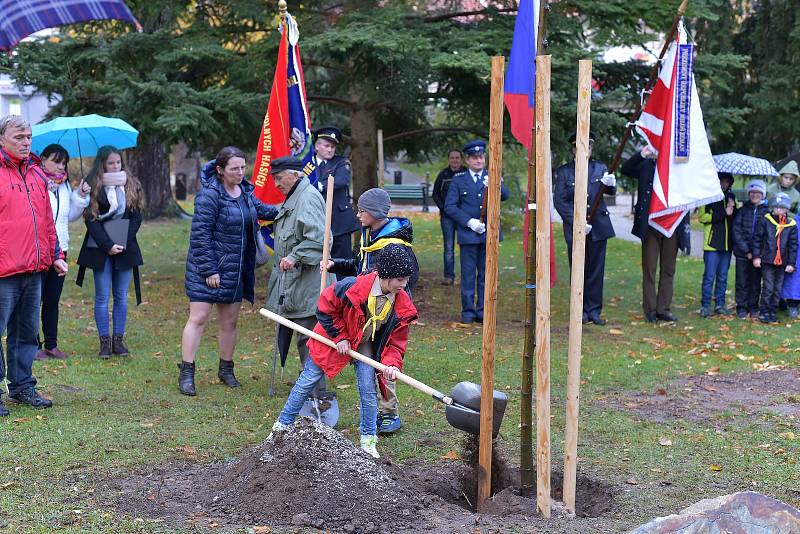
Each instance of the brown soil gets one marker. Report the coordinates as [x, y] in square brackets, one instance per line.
[311, 476]
[706, 398]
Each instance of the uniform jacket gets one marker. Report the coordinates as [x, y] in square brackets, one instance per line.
[644, 171]
[396, 228]
[343, 220]
[67, 206]
[441, 185]
[342, 314]
[791, 281]
[744, 227]
[564, 197]
[28, 240]
[463, 202]
[218, 241]
[299, 231]
[765, 241]
[718, 225]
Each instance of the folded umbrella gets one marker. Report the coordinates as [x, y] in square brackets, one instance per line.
[734, 163]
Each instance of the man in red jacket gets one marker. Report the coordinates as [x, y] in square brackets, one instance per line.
[28, 247]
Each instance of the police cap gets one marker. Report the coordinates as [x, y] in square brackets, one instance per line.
[475, 148]
[331, 133]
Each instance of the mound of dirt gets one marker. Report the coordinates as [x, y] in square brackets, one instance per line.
[313, 475]
[704, 398]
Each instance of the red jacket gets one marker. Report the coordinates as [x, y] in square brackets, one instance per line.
[28, 241]
[341, 312]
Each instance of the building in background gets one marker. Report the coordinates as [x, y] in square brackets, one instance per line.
[24, 101]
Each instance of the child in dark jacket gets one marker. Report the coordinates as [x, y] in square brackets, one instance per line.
[717, 220]
[371, 312]
[745, 222]
[775, 253]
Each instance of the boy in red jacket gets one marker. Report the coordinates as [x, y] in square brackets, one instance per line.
[371, 312]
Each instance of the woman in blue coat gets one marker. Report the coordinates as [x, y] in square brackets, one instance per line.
[220, 264]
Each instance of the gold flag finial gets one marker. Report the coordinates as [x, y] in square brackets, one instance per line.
[682, 7]
[282, 7]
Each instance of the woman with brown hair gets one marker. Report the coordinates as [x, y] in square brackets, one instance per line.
[110, 248]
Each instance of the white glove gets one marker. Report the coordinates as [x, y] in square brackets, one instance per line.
[476, 226]
[588, 229]
[609, 180]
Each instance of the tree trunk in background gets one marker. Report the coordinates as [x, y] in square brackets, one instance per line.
[149, 162]
[364, 154]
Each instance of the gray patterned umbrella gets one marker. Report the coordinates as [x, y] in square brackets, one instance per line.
[740, 164]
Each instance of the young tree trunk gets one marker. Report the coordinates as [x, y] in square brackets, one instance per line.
[364, 154]
[149, 162]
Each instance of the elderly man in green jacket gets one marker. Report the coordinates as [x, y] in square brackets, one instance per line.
[299, 230]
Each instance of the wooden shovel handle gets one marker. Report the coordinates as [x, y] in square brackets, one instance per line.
[413, 382]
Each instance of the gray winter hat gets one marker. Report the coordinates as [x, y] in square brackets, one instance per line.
[376, 202]
[757, 185]
[781, 200]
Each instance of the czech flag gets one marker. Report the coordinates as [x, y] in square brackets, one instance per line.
[672, 123]
[519, 91]
[287, 128]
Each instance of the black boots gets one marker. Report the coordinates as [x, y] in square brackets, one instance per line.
[226, 374]
[105, 347]
[186, 378]
[118, 346]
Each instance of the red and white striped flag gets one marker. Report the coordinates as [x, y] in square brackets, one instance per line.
[672, 124]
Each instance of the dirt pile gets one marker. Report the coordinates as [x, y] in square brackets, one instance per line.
[311, 475]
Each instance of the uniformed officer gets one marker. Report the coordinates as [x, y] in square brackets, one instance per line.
[598, 232]
[463, 205]
[343, 218]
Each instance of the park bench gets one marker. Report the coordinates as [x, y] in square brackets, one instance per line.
[409, 192]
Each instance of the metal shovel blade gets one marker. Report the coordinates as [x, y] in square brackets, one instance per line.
[324, 408]
[464, 414]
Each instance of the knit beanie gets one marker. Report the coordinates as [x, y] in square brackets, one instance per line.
[376, 202]
[781, 200]
[394, 261]
[757, 185]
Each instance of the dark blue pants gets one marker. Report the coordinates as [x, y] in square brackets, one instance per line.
[772, 282]
[715, 270]
[748, 286]
[449, 241]
[473, 273]
[52, 286]
[593, 274]
[20, 297]
[342, 247]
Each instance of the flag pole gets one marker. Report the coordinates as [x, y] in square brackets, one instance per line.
[651, 81]
[526, 403]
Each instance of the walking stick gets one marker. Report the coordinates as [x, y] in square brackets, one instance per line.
[651, 81]
[271, 391]
[326, 243]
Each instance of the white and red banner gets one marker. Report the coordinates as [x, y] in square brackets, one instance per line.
[672, 124]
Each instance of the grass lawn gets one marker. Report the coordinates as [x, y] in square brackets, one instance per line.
[119, 416]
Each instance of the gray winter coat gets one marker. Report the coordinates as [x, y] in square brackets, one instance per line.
[299, 230]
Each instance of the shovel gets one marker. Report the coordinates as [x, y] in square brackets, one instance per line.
[280, 346]
[462, 406]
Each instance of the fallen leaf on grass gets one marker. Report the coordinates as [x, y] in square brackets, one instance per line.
[419, 413]
[112, 449]
[632, 482]
[726, 357]
[766, 366]
[665, 442]
[711, 371]
[7, 484]
[744, 358]
[787, 435]
[187, 449]
[259, 530]
[616, 332]
[451, 455]
[22, 420]
[343, 386]
[715, 467]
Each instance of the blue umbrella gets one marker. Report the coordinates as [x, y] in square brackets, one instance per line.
[734, 163]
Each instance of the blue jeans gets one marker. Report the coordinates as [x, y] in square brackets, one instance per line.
[715, 270]
[20, 298]
[449, 241]
[105, 282]
[365, 380]
[473, 273]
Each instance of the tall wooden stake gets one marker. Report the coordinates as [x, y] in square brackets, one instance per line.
[543, 284]
[490, 288]
[526, 400]
[381, 168]
[576, 279]
[326, 242]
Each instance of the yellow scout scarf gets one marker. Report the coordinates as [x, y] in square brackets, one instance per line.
[779, 226]
[375, 317]
[365, 249]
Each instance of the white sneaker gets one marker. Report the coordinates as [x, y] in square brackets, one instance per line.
[277, 427]
[369, 444]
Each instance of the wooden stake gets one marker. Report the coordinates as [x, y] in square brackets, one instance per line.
[576, 278]
[381, 169]
[326, 243]
[543, 284]
[490, 286]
